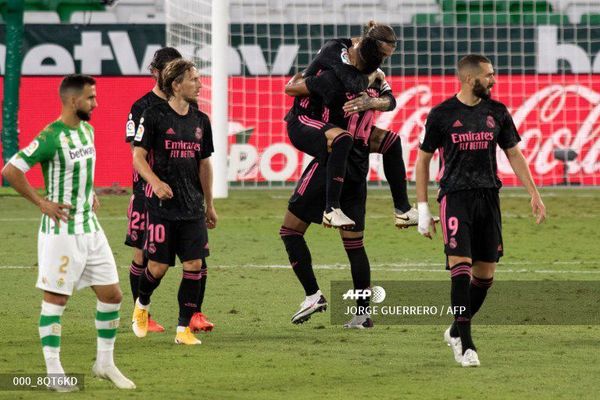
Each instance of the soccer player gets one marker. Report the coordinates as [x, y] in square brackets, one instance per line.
[466, 129]
[308, 198]
[338, 57]
[137, 206]
[308, 128]
[176, 138]
[73, 252]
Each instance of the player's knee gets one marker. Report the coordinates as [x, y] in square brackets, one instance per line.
[156, 269]
[342, 140]
[193, 265]
[390, 144]
[138, 256]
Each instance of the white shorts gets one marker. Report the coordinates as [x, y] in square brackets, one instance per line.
[68, 262]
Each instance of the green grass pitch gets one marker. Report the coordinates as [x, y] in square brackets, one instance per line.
[256, 353]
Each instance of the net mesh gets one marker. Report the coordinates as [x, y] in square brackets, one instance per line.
[544, 54]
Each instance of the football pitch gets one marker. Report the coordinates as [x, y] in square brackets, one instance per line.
[256, 353]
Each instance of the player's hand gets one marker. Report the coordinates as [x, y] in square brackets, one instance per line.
[56, 211]
[162, 191]
[426, 222]
[538, 208]
[211, 217]
[96, 203]
[359, 104]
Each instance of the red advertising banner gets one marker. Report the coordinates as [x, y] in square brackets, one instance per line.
[551, 112]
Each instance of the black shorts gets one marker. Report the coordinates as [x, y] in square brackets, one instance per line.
[136, 222]
[166, 239]
[472, 225]
[308, 200]
[308, 135]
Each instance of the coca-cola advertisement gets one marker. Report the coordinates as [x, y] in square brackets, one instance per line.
[552, 112]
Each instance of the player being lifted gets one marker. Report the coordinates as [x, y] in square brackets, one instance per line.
[466, 129]
[73, 252]
[352, 60]
[173, 144]
[309, 195]
[137, 206]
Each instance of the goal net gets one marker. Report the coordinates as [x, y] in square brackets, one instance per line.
[546, 55]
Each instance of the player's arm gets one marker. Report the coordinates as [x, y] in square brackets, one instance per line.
[521, 169]
[385, 102]
[431, 141]
[41, 149]
[422, 178]
[143, 143]
[161, 189]
[206, 181]
[296, 87]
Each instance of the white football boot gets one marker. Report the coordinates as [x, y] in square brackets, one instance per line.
[112, 373]
[409, 218]
[455, 344]
[359, 322]
[337, 219]
[310, 305]
[470, 359]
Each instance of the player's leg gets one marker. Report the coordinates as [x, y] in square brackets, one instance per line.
[57, 284]
[100, 273]
[305, 206]
[388, 144]
[329, 145]
[200, 321]
[353, 202]
[107, 324]
[339, 143]
[160, 251]
[192, 248]
[456, 217]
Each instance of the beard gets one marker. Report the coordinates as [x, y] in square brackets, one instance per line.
[481, 91]
[84, 116]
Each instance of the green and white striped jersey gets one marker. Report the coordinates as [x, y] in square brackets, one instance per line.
[68, 158]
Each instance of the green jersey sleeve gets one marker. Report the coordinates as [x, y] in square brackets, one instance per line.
[41, 149]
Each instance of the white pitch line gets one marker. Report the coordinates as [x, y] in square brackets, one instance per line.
[401, 267]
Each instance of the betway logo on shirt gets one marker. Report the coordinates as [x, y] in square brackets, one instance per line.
[182, 148]
[83, 153]
[472, 140]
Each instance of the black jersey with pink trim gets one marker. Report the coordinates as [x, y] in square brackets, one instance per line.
[133, 120]
[466, 137]
[331, 92]
[333, 56]
[175, 144]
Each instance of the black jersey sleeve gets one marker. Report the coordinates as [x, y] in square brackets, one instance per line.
[433, 134]
[132, 122]
[353, 80]
[508, 136]
[145, 134]
[385, 90]
[326, 85]
[207, 141]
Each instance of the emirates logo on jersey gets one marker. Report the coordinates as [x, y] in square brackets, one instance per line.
[490, 122]
[198, 133]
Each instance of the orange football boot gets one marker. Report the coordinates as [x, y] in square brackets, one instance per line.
[154, 326]
[199, 322]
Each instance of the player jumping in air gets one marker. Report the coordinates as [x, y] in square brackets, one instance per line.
[466, 129]
[137, 206]
[73, 252]
[309, 129]
[309, 196]
[173, 144]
